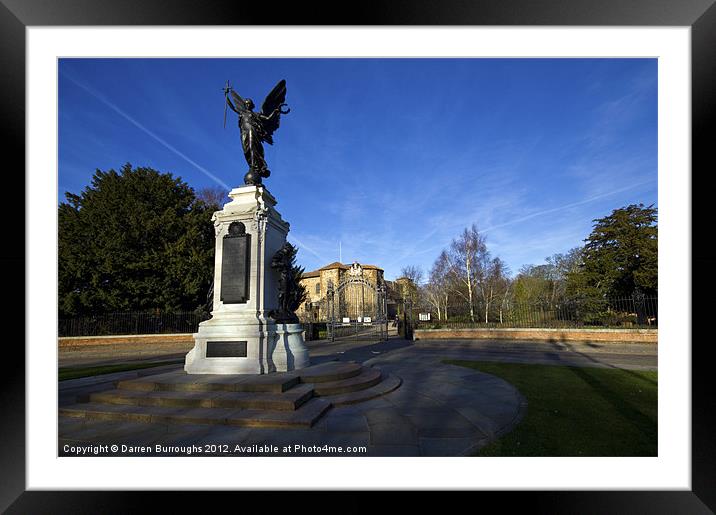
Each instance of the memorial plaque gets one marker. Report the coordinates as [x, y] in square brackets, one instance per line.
[235, 265]
[226, 349]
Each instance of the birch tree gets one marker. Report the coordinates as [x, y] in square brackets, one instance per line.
[437, 289]
[494, 283]
[466, 261]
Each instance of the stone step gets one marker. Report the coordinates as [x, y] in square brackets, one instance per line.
[386, 385]
[287, 401]
[368, 377]
[306, 416]
[329, 372]
[180, 381]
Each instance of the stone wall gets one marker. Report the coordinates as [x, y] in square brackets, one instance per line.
[329, 275]
[310, 284]
[565, 335]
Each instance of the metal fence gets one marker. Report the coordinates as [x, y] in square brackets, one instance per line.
[314, 330]
[131, 323]
[640, 312]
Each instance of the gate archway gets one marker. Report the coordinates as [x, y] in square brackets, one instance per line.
[356, 308]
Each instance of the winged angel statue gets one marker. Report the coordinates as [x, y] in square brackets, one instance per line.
[257, 128]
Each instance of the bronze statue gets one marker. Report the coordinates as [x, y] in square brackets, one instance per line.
[257, 128]
[291, 293]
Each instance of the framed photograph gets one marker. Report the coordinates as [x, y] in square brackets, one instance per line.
[49, 48]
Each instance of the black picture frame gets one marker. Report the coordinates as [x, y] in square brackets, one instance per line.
[700, 15]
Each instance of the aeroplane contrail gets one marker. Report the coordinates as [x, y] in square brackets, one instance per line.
[141, 127]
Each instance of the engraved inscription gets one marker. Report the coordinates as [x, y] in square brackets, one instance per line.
[226, 349]
[235, 265]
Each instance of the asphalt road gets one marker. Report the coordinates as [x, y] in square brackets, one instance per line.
[631, 356]
[612, 355]
[615, 355]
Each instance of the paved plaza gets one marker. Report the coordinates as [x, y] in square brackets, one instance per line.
[438, 410]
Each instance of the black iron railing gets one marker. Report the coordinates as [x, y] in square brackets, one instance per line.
[608, 313]
[131, 323]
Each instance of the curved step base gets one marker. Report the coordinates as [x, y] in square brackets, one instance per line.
[330, 371]
[387, 385]
[368, 377]
[290, 399]
[287, 401]
[305, 417]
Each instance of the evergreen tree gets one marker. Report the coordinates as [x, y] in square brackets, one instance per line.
[620, 255]
[299, 294]
[136, 239]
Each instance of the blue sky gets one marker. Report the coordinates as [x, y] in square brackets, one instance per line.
[392, 158]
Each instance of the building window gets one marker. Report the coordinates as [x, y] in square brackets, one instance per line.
[318, 288]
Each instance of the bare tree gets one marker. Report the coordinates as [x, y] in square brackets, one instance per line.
[546, 284]
[437, 289]
[412, 288]
[505, 301]
[213, 195]
[563, 265]
[466, 263]
[494, 283]
[414, 273]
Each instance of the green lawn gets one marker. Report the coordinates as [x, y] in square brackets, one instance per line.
[77, 372]
[578, 411]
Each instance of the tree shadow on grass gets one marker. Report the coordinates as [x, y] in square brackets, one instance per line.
[563, 342]
[643, 422]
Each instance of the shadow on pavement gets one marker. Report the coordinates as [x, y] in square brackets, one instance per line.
[355, 351]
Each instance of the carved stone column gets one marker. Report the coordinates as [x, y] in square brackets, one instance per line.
[240, 337]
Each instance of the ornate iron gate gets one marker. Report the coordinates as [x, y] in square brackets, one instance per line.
[356, 308]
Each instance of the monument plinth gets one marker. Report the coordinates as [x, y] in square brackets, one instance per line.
[242, 337]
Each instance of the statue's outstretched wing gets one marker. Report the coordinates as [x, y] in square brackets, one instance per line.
[274, 100]
[238, 103]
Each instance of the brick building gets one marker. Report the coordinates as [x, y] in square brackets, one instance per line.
[317, 281]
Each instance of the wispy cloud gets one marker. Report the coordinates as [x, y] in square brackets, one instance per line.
[302, 245]
[567, 206]
[533, 215]
[531, 248]
[144, 129]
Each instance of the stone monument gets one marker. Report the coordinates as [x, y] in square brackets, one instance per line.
[252, 329]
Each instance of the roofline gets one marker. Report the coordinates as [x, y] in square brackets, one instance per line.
[342, 266]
